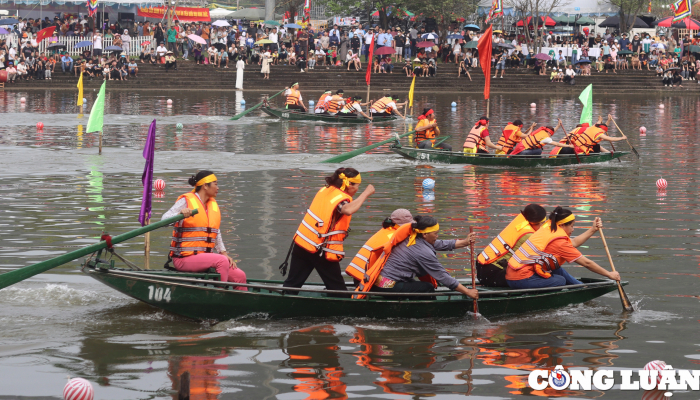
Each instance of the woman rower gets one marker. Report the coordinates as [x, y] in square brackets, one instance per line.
[588, 141]
[318, 242]
[294, 100]
[478, 139]
[195, 237]
[427, 131]
[537, 263]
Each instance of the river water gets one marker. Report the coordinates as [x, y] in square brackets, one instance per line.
[59, 195]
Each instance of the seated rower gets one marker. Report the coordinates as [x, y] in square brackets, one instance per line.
[188, 251]
[537, 263]
[492, 263]
[427, 130]
[353, 107]
[532, 144]
[322, 104]
[336, 102]
[294, 100]
[411, 253]
[588, 141]
[478, 139]
[367, 254]
[512, 135]
[568, 139]
[386, 107]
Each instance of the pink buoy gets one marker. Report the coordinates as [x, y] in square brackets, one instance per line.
[78, 389]
[661, 106]
[22, 100]
[642, 130]
[656, 365]
[533, 105]
[159, 185]
[661, 184]
[39, 125]
[170, 102]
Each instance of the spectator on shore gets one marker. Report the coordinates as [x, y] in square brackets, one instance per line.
[172, 40]
[301, 61]
[569, 75]
[463, 69]
[134, 69]
[353, 60]
[97, 44]
[126, 42]
[240, 66]
[266, 61]
[11, 73]
[432, 68]
[170, 61]
[160, 52]
[197, 52]
[66, 63]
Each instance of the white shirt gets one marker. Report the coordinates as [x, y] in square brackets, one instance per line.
[273, 37]
[320, 53]
[289, 91]
[324, 102]
[160, 50]
[368, 38]
[13, 53]
[97, 42]
[240, 64]
[546, 140]
[334, 32]
[570, 72]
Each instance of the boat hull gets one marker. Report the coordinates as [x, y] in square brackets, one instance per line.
[452, 157]
[293, 115]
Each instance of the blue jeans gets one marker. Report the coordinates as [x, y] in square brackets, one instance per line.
[67, 66]
[559, 278]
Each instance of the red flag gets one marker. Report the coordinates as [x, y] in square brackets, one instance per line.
[44, 33]
[369, 65]
[485, 47]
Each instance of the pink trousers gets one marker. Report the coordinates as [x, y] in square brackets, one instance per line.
[203, 261]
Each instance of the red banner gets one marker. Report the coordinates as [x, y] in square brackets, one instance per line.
[485, 47]
[186, 14]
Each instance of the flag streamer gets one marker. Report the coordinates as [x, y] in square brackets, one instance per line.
[80, 90]
[682, 9]
[586, 99]
[92, 7]
[495, 11]
[97, 113]
[147, 177]
[410, 92]
[485, 47]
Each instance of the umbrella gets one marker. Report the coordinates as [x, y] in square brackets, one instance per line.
[4, 31]
[543, 21]
[583, 61]
[623, 52]
[472, 44]
[542, 56]
[275, 23]
[585, 21]
[455, 36]
[113, 48]
[498, 31]
[253, 14]
[197, 39]
[264, 41]
[565, 20]
[146, 43]
[614, 22]
[693, 24]
[385, 50]
[84, 43]
[219, 46]
[506, 45]
[8, 21]
[57, 46]
[694, 49]
[429, 36]
[295, 26]
[472, 27]
[425, 44]
[220, 23]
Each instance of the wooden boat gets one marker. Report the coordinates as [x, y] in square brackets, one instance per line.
[494, 160]
[201, 296]
[295, 115]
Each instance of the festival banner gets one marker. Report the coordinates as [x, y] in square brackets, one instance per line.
[681, 10]
[485, 48]
[495, 11]
[92, 7]
[185, 14]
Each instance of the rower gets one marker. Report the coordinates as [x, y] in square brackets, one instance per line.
[512, 135]
[492, 263]
[568, 139]
[532, 144]
[589, 140]
[195, 238]
[367, 254]
[478, 139]
[318, 242]
[537, 263]
[411, 253]
[427, 130]
[336, 102]
[294, 100]
[354, 107]
[322, 104]
[386, 107]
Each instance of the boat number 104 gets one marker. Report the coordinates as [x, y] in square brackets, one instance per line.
[158, 294]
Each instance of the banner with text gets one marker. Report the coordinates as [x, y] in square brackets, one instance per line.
[186, 14]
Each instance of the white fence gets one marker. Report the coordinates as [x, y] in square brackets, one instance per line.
[71, 41]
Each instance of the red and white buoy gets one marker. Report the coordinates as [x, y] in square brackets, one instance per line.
[656, 365]
[78, 389]
[661, 184]
[159, 185]
[642, 130]
[39, 125]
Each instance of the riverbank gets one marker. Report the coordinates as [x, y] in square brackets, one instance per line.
[191, 76]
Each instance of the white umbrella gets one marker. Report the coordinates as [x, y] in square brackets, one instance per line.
[220, 23]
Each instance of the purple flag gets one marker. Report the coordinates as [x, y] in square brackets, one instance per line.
[147, 177]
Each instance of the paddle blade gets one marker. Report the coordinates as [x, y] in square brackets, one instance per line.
[255, 107]
[626, 304]
[344, 157]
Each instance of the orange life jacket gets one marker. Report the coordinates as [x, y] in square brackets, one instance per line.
[504, 242]
[322, 104]
[474, 138]
[367, 256]
[334, 104]
[375, 269]
[323, 228]
[196, 234]
[531, 258]
[588, 138]
[349, 107]
[510, 137]
[532, 141]
[294, 97]
[426, 134]
[380, 105]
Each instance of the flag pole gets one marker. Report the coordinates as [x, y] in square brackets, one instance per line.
[100, 143]
[147, 246]
[368, 93]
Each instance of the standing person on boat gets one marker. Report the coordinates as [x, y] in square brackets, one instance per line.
[386, 107]
[322, 104]
[367, 254]
[336, 102]
[532, 144]
[294, 100]
[354, 107]
[318, 242]
[196, 237]
[537, 263]
[588, 141]
[411, 253]
[492, 263]
[427, 130]
[478, 139]
[512, 135]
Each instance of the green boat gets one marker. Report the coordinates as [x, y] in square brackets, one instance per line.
[202, 296]
[295, 115]
[494, 160]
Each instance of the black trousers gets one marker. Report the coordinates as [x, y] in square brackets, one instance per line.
[303, 263]
[295, 107]
[569, 150]
[408, 287]
[491, 275]
[427, 144]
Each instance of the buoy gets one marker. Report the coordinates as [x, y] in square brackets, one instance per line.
[654, 395]
[661, 184]
[39, 125]
[453, 104]
[428, 184]
[428, 195]
[533, 105]
[158, 194]
[159, 185]
[656, 365]
[661, 106]
[242, 101]
[78, 389]
[311, 103]
[642, 130]
[170, 102]
[179, 125]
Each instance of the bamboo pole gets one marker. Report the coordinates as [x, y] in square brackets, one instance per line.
[147, 246]
[100, 142]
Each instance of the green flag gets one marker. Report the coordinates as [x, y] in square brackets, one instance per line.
[586, 98]
[98, 112]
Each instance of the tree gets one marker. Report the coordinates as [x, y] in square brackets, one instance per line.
[444, 11]
[363, 7]
[629, 10]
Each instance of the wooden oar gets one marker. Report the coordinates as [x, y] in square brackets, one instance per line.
[628, 141]
[566, 135]
[440, 140]
[471, 255]
[623, 296]
[239, 116]
[342, 157]
[18, 275]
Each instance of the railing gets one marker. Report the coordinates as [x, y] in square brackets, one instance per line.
[71, 41]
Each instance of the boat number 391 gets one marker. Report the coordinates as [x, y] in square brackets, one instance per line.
[159, 294]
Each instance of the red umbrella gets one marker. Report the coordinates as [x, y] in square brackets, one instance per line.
[146, 43]
[667, 22]
[546, 21]
[425, 44]
[385, 50]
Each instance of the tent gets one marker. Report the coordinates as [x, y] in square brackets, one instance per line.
[220, 13]
[614, 22]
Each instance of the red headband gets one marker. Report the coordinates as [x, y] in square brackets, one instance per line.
[603, 127]
[429, 112]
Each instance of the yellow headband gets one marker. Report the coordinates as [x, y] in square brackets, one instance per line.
[347, 181]
[412, 238]
[567, 219]
[206, 179]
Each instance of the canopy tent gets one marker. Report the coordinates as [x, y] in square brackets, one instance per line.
[220, 13]
[585, 21]
[614, 22]
[543, 21]
[253, 14]
[565, 20]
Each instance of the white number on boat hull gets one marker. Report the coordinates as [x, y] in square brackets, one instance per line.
[159, 294]
[285, 115]
[424, 156]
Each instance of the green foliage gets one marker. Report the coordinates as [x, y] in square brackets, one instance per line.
[629, 10]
